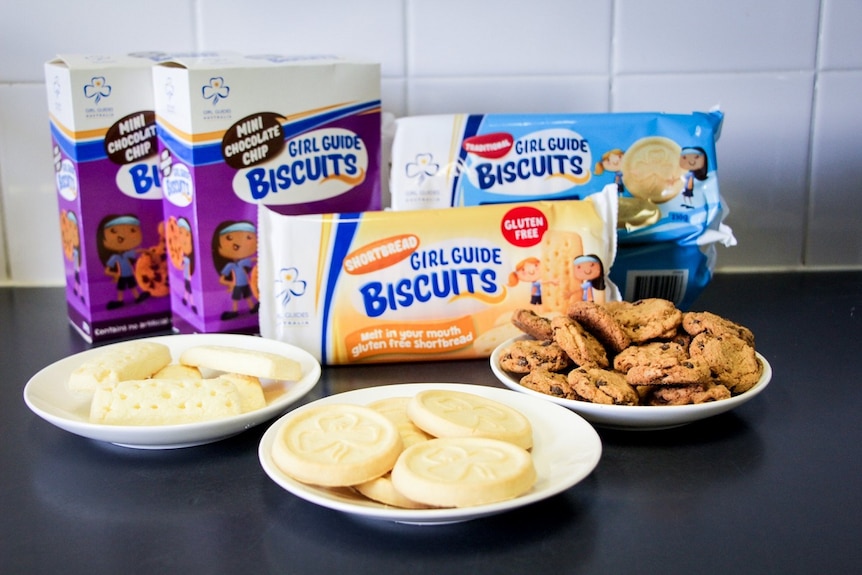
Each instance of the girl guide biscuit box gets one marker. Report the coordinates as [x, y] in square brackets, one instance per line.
[297, 134]
[662, 167]
[439, 284]
[109, 193]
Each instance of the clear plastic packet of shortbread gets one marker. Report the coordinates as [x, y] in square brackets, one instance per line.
[441, 284]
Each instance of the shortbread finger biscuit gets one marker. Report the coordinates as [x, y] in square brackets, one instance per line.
[463, 471]
[164, 402]
[245, 361]
[581, 346]
[250, 390]
[127, 361]
[178, 371]
[383, 491]
[395, 408]
[336, 445]
[447, 413]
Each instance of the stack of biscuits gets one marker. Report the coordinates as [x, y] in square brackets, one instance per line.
[646, 352]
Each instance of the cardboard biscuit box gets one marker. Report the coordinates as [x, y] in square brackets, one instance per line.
[109, 193]
[298, 134]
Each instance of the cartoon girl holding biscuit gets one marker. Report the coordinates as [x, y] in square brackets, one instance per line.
[234, 248]
[118, 240]
[589, 270]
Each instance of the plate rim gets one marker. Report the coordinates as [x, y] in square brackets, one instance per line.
[175, 435]
[591, 443]
[644, 417]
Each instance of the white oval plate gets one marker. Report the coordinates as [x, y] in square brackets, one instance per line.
[48, 397]
[565, 450]
[634, 417]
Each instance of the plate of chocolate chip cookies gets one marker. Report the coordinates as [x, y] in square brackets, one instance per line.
[641, 365]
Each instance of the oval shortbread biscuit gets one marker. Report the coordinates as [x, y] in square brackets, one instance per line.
[463, 471]
[446, 413]
[336, 445]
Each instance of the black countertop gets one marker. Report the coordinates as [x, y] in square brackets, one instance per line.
[772, 487]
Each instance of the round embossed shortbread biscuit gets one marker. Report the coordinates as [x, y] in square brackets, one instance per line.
[651, 169]
[463, 471]
[602, 386]
[448, 413]
[382, 490]
[533, 324]
[581, 346]
[525, 355]
[731, 360]
[599, 321]
[336, 445]
[395, 408]
[646, 319]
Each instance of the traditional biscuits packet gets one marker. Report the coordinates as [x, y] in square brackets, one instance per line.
[663, 168]
[390, 286]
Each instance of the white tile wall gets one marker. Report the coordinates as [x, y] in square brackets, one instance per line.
[787, 74]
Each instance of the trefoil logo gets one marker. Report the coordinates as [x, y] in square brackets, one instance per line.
[97, 89]
[216, 90]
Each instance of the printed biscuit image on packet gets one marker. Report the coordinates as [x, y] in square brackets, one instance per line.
[438, 284]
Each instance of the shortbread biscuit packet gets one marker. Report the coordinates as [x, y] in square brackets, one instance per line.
[663, 167]
[389, 286]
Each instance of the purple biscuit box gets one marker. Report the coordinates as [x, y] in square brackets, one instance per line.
[109, 194]
[298, 134]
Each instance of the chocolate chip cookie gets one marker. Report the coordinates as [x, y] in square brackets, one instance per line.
[533, 324]
[646, 319]
[549, 383]
[732, 361]
[599, 321]
[655, 353]
[602, 386]
[581, 346]
[693, 370]
[525, 355]
[685, 394]
[699, 322]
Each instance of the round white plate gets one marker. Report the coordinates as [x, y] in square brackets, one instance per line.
[48, 397]
[634, 417]
[565, 450]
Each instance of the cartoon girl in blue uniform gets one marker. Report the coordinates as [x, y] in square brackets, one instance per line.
[234, 248]
[118, 240]
[590, 271]
[694, 161]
